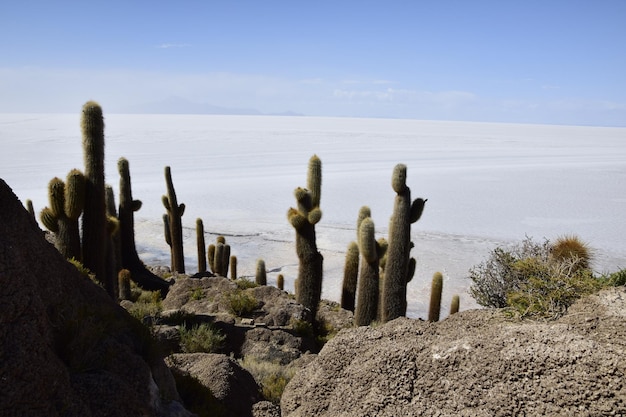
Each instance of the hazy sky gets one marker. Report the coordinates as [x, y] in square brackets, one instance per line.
[545, 61]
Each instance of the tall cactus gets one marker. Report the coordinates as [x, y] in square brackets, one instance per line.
[175, 213]
[94, 216]
[66, 201]
[201, 245]
[129, 257]
[398, 268]
[434, 308]
[350, 277]
[367, 304]
[303, 219]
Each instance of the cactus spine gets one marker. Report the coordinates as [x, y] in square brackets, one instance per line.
[94, 216]
[129, 257]
[435, 297]
[367, 304]
[261, 273]
[303, 219]
[398, 268]
[201, 246]
[175, 213]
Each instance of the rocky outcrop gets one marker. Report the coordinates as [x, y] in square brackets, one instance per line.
[233, 387]
[474, 363]
[66, 348]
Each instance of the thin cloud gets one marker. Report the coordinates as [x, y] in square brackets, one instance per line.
[169, 45]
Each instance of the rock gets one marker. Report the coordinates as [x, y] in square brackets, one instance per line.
[276, 346]
[475, 363]
[277, 307]
[66, 348]
[232, 386]
[199, 295]
[265, 409]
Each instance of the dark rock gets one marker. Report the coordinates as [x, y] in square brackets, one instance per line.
[276, 346]
[66, 348]
[232, 386]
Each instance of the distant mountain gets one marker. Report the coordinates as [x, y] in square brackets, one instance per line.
[179, 105]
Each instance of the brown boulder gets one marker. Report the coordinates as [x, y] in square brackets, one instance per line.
[66, 348]
[232, 386]
[474, 363]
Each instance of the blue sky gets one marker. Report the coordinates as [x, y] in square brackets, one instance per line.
[549, 61]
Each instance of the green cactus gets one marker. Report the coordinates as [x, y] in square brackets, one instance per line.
[201, 245]
[455, 304]
[350, 277]
[435, 297]
[94, 239]
[280, 282]
[367, 303]
[124, 277]
[129, 256]
[398, 268]
[233, 267]
[218, 255]
[210, 254]
[261, 273]
[303, 219]
[175, 213]
[66, 201]
[30, 208]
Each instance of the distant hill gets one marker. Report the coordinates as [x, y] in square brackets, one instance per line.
[179, 105]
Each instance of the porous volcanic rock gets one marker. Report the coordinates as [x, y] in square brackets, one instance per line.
[233, 387]
[66, 348]
[475, 363]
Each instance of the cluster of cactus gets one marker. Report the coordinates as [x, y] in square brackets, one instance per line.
[219, 258]
[66, 201]
[372, 252]
[399, 267]
[174, 224]
[303, 219]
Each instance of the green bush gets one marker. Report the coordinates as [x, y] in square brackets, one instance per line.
[271, 377]
[505, 270]
[552, 289]
[147, 304]
[538, 280]
[203, 338]
[241, 304]
[245, 283]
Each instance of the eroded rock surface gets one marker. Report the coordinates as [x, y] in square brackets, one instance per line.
[475, 363]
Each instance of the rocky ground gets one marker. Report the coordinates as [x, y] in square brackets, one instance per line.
[67, 349]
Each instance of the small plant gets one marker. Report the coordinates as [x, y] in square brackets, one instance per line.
[301, 327]
[202, 338]
[571, 248]
[197, 294]
[147, 304]
[244, 283]
[617, 279]
[241, 304]
[550, 292]
[272, 377]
